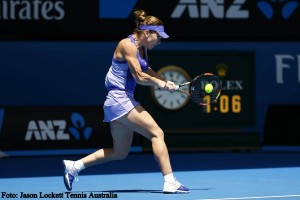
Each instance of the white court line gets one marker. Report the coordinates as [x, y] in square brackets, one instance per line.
[261, 197]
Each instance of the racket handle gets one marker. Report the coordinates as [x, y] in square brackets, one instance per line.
[178, 86]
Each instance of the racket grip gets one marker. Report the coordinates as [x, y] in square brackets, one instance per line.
[176, 87]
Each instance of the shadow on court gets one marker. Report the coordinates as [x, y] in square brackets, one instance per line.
[134, 191]
[144, 162]
[123, 191]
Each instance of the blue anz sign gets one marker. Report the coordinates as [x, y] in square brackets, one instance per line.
[79, 123]
[53, 127]
[286, 8]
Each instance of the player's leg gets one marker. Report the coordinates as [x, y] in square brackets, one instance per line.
[140, 121]
[122, 139]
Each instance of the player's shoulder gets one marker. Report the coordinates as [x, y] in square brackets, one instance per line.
[126, 42]
[125, 45]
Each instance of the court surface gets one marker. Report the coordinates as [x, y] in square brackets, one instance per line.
[210, 176]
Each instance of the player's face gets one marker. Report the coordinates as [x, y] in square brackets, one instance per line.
[153, 40]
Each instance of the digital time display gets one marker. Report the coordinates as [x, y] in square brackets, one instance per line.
[226, 104]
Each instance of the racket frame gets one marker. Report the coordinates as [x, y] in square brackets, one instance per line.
[178, 88]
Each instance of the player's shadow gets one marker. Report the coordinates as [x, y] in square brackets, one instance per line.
[121, 191]
[136, 191]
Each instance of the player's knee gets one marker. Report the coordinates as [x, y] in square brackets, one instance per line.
[158, 135]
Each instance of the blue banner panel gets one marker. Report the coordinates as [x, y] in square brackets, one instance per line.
[53, 73]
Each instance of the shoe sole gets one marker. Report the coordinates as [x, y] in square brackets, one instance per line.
[176, 192]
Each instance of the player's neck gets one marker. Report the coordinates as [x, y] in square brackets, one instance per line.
[137, 41]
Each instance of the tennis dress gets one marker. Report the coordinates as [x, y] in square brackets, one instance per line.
[120, 85]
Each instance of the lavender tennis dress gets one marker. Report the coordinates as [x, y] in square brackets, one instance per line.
[121, 85]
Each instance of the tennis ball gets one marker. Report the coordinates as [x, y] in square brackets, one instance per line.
[208, 88]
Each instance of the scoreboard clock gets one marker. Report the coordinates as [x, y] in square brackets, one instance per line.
[171, 100]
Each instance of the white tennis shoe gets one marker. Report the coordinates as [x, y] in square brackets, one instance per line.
[175, 187]
[70, 173]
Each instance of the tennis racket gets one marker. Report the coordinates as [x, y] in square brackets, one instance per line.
[196, 89]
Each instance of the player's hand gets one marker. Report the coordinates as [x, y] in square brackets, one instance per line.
[170, 86]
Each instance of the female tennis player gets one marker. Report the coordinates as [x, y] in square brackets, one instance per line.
[130, 67]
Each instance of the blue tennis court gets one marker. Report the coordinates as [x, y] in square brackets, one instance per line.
[209, 175]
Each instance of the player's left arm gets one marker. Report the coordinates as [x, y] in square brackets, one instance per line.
[169, 85]
[151, 72]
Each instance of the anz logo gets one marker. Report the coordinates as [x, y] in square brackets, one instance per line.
[42, 130]
[287, 8]
[217, 9]
[204, 9]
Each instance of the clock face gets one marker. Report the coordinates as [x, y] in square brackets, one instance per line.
[172, 100]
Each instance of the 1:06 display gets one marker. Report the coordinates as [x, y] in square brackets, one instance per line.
[226, 104]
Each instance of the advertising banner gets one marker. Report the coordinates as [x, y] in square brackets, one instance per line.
[185, 20]
[53, 128]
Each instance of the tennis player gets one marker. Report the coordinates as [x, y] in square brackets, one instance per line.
[130, 67]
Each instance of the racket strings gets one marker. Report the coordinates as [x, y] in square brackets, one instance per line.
[197, 91]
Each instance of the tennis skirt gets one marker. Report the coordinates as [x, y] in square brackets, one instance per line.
[117, 104]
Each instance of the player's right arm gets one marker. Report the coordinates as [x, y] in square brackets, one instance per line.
[129, 53]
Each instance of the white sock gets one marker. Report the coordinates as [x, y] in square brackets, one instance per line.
[79, 165]
[169, 178]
